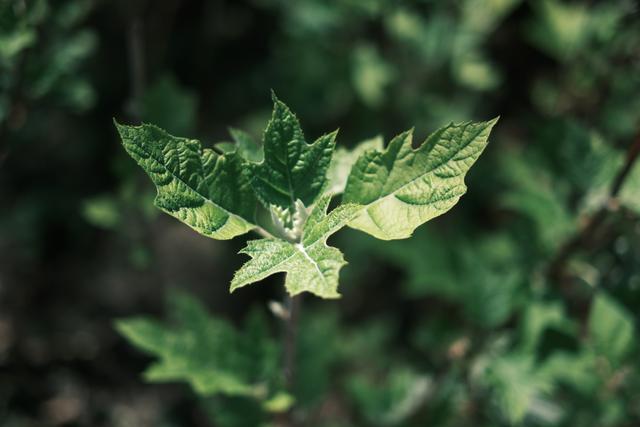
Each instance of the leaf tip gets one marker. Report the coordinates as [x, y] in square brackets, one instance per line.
[233, 286]
[119, 127]
[274, 97]
[122, 326]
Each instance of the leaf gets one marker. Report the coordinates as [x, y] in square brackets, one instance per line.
[243, 144]
[630, 192]
[247, 148]
[311, 265]
[611, 328]
[560, 29]
[292, 169]
[207, 191]
[281, 402]
[205, 351]
[480, 273]
[516, 384]
[401, 188]
[401, 394]
[370, 75]
[534, 193]
[343, 161]
[575, 370]
[538, 317]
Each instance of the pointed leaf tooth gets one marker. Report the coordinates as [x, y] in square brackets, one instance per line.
[401, 188]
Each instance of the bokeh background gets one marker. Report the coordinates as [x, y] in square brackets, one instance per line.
[519, 307]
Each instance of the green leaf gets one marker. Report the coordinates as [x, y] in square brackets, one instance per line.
[205, 351]
[538, 317]
[480, 273]
[310, 264]
[401, 394]
[292, 169]
[247, 147]
[573, 369]
[371, 74]
[610, 328]
[516, 384]
[281, 402]
[630, 192]
[401, 188]
[343, 160]
[561, 29]
[534, 193]
[243, 144]
[207, 191]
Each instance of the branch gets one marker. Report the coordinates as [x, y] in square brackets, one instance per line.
[290, 344]
[582, 238]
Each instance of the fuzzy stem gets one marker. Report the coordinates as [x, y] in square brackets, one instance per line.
[289, 342]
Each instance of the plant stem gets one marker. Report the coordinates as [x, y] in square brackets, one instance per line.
[290, 340]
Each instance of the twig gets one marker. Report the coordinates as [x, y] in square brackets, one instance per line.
[557, 266]
[632, 156]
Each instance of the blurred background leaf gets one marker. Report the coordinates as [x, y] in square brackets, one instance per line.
[488, 316]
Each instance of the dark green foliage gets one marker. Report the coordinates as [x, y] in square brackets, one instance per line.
[519, 307]
[292, 169]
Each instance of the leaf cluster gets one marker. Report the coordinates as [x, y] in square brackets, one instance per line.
[387, 192]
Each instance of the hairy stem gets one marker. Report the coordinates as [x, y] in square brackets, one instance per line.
[290, 340]
[289, 343]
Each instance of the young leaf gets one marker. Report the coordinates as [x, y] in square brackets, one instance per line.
[243, 144]
[292, 169]
[343, 161]
[401, 188]
[631, 189]
[204, 351]
[611, 328]
[248, 148]
[516, 383]
[392, 399]
[310, 265]
[207, 191]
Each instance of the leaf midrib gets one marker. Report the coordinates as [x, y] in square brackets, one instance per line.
[301, 248]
